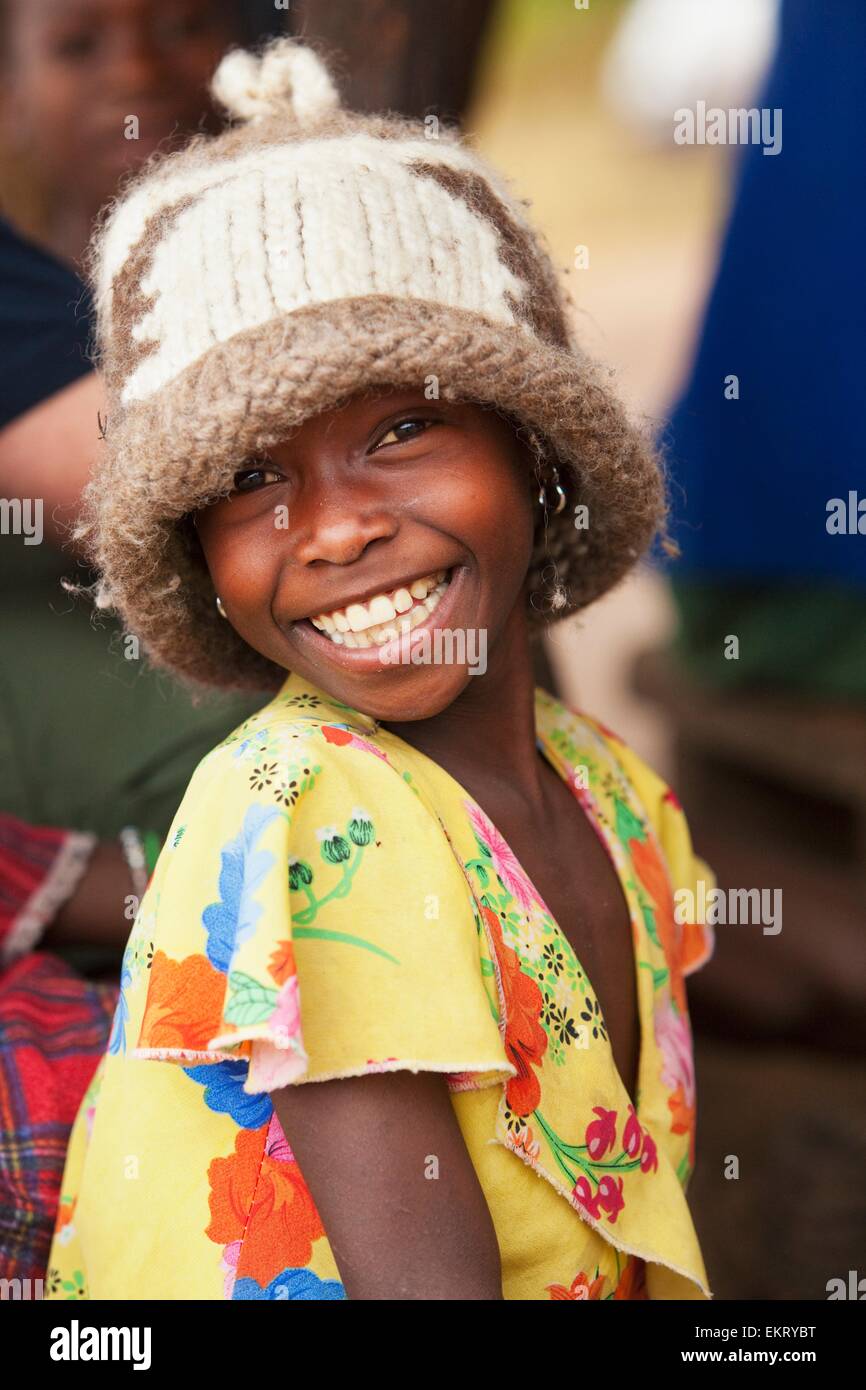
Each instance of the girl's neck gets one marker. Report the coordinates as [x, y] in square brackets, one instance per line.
[486, 738]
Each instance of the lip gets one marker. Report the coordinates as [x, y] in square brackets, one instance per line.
[367, 660]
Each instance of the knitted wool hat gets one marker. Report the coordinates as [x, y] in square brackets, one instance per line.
[306, 254]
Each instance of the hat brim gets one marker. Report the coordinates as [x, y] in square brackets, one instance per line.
[171, 454]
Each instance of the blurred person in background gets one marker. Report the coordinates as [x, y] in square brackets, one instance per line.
[768, 691]
[82, 809]
[91, 88]
[758, 470]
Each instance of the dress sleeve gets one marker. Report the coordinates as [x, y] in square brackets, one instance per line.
[692, 880]
[323, 924]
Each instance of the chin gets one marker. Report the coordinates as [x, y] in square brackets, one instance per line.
[402, 695]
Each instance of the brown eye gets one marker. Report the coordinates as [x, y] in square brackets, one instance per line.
[251, 479]
[397, 434]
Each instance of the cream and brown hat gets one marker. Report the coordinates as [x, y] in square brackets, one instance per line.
[305, 254]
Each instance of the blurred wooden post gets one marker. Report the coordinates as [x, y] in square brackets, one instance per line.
[409, 56]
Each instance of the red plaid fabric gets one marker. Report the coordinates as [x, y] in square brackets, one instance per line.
[40, 867]
[54, 1027]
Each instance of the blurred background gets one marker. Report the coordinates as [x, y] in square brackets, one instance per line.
[722, 284]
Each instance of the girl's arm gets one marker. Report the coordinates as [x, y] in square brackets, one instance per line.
[385, 1162]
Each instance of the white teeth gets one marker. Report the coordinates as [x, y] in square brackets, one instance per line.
[381, 609]
[402, 600]
[378, 634]
[356, 616]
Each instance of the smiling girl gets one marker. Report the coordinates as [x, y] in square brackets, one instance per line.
[348, 415]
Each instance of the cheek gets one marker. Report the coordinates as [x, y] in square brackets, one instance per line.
[243, 566]
[51, 114]
[492, 513]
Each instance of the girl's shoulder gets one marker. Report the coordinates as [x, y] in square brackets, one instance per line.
[282, 753]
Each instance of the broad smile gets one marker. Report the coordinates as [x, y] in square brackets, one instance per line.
[355, 637]
[385, 615]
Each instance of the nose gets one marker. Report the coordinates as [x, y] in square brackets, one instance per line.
[336, 526]
[137, 66]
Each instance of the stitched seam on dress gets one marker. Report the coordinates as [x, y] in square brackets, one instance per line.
[252, 1204]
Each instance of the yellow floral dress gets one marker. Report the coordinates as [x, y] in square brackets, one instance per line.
[330, 902]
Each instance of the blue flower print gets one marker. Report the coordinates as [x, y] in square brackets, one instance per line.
[224, 1093]
[291, 1285]
[231, 920]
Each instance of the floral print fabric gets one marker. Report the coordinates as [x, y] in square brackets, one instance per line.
[330, 902]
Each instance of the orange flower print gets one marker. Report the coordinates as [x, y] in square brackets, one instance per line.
[632, 1285]
[333, 733]
[525, 1039]
[683, 1118]
[651, 872]
[581, 1289]
[526, 1142]
[282, 962]
[259, 1196]
[184, 1004]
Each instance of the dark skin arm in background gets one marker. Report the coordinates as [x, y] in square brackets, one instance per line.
[49, 452]
[94, 915]
[363, 1145]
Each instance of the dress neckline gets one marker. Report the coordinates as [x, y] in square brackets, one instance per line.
[544, 702]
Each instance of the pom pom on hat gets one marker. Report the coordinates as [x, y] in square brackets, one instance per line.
[286, 75]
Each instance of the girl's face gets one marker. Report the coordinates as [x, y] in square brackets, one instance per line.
[388, 510]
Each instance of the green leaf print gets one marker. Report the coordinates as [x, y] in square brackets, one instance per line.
[249, 1002]
[75, 1287]
[480, 869]
[649, 919]
[343, 852]
[628, 825]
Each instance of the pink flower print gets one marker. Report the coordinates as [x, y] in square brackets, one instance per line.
[504, 860]
[335, 733]
[632, 1134]
[285, 1021]
[673, 1036]
[649, 1161]
[610, 1196]
[381, 1065]
[582, 1193]
[368, 747]
[231, 1255]
[601, 1133]
[280, 1058]
[277, 1145]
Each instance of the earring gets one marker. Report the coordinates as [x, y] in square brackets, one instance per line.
[220, 609]
[558, 489]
